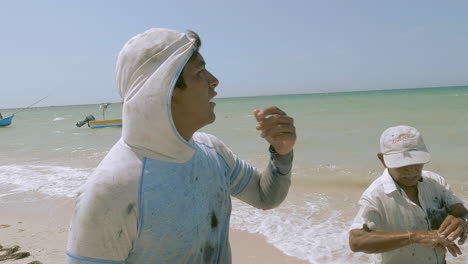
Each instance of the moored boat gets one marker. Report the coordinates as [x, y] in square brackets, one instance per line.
[105, 123]
[93, 123]
[6, 121]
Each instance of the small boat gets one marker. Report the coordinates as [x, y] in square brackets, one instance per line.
[93, 123]
[105, 123]
[6, 121]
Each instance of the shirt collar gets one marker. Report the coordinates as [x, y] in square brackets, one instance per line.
[388, 183]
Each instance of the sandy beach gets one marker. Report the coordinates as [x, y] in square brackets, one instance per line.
[38, 225]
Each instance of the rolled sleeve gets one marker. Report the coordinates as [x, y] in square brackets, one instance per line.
[368, 215]
[451, 199]
[443, 187]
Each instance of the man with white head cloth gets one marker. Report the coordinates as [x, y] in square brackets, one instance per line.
[162, 193]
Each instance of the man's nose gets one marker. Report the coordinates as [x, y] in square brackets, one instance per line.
[213, 81]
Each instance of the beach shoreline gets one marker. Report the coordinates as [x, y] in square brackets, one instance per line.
[38, 224]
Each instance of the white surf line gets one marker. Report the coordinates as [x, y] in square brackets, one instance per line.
[6, 194]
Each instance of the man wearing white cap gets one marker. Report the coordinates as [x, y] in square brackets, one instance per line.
[163, 192]
[407, 214]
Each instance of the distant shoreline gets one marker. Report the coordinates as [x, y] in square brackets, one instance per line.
[270, 95]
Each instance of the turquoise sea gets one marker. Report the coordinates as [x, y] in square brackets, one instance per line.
[335, 156]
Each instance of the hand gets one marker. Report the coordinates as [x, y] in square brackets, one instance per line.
[453, 249]
[433, 239]
[452, 228]
[277, 128]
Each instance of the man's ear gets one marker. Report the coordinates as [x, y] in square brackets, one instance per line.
[380, 156]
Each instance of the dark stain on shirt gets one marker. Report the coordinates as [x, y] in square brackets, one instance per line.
[120, 232]
[208, 253]
[440, 203]
[214, 220]
[437, 213]
[130, 208]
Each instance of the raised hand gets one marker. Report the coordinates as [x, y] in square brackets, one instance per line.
[277, 128]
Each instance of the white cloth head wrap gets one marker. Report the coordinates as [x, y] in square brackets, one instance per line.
[147, 69]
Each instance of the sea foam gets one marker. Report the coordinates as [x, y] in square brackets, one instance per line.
[49, 180]
[310, 230]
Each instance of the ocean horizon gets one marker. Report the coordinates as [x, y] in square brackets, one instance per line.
[261, 95]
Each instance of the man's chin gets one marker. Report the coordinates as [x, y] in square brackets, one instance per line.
[212, 115]
[411, 182]
[212, 119]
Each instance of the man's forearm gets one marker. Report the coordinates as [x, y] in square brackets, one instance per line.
[269, 188]
[275, 180]
[458, 210]
[361, 240]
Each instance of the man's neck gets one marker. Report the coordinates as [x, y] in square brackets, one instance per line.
[187, 136]
[185, 132]
[411, 191]
[184, 129]
[413, 194]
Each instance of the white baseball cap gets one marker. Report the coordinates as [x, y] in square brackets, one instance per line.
[402, 146]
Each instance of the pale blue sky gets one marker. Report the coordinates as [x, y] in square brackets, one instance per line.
[68, 48]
